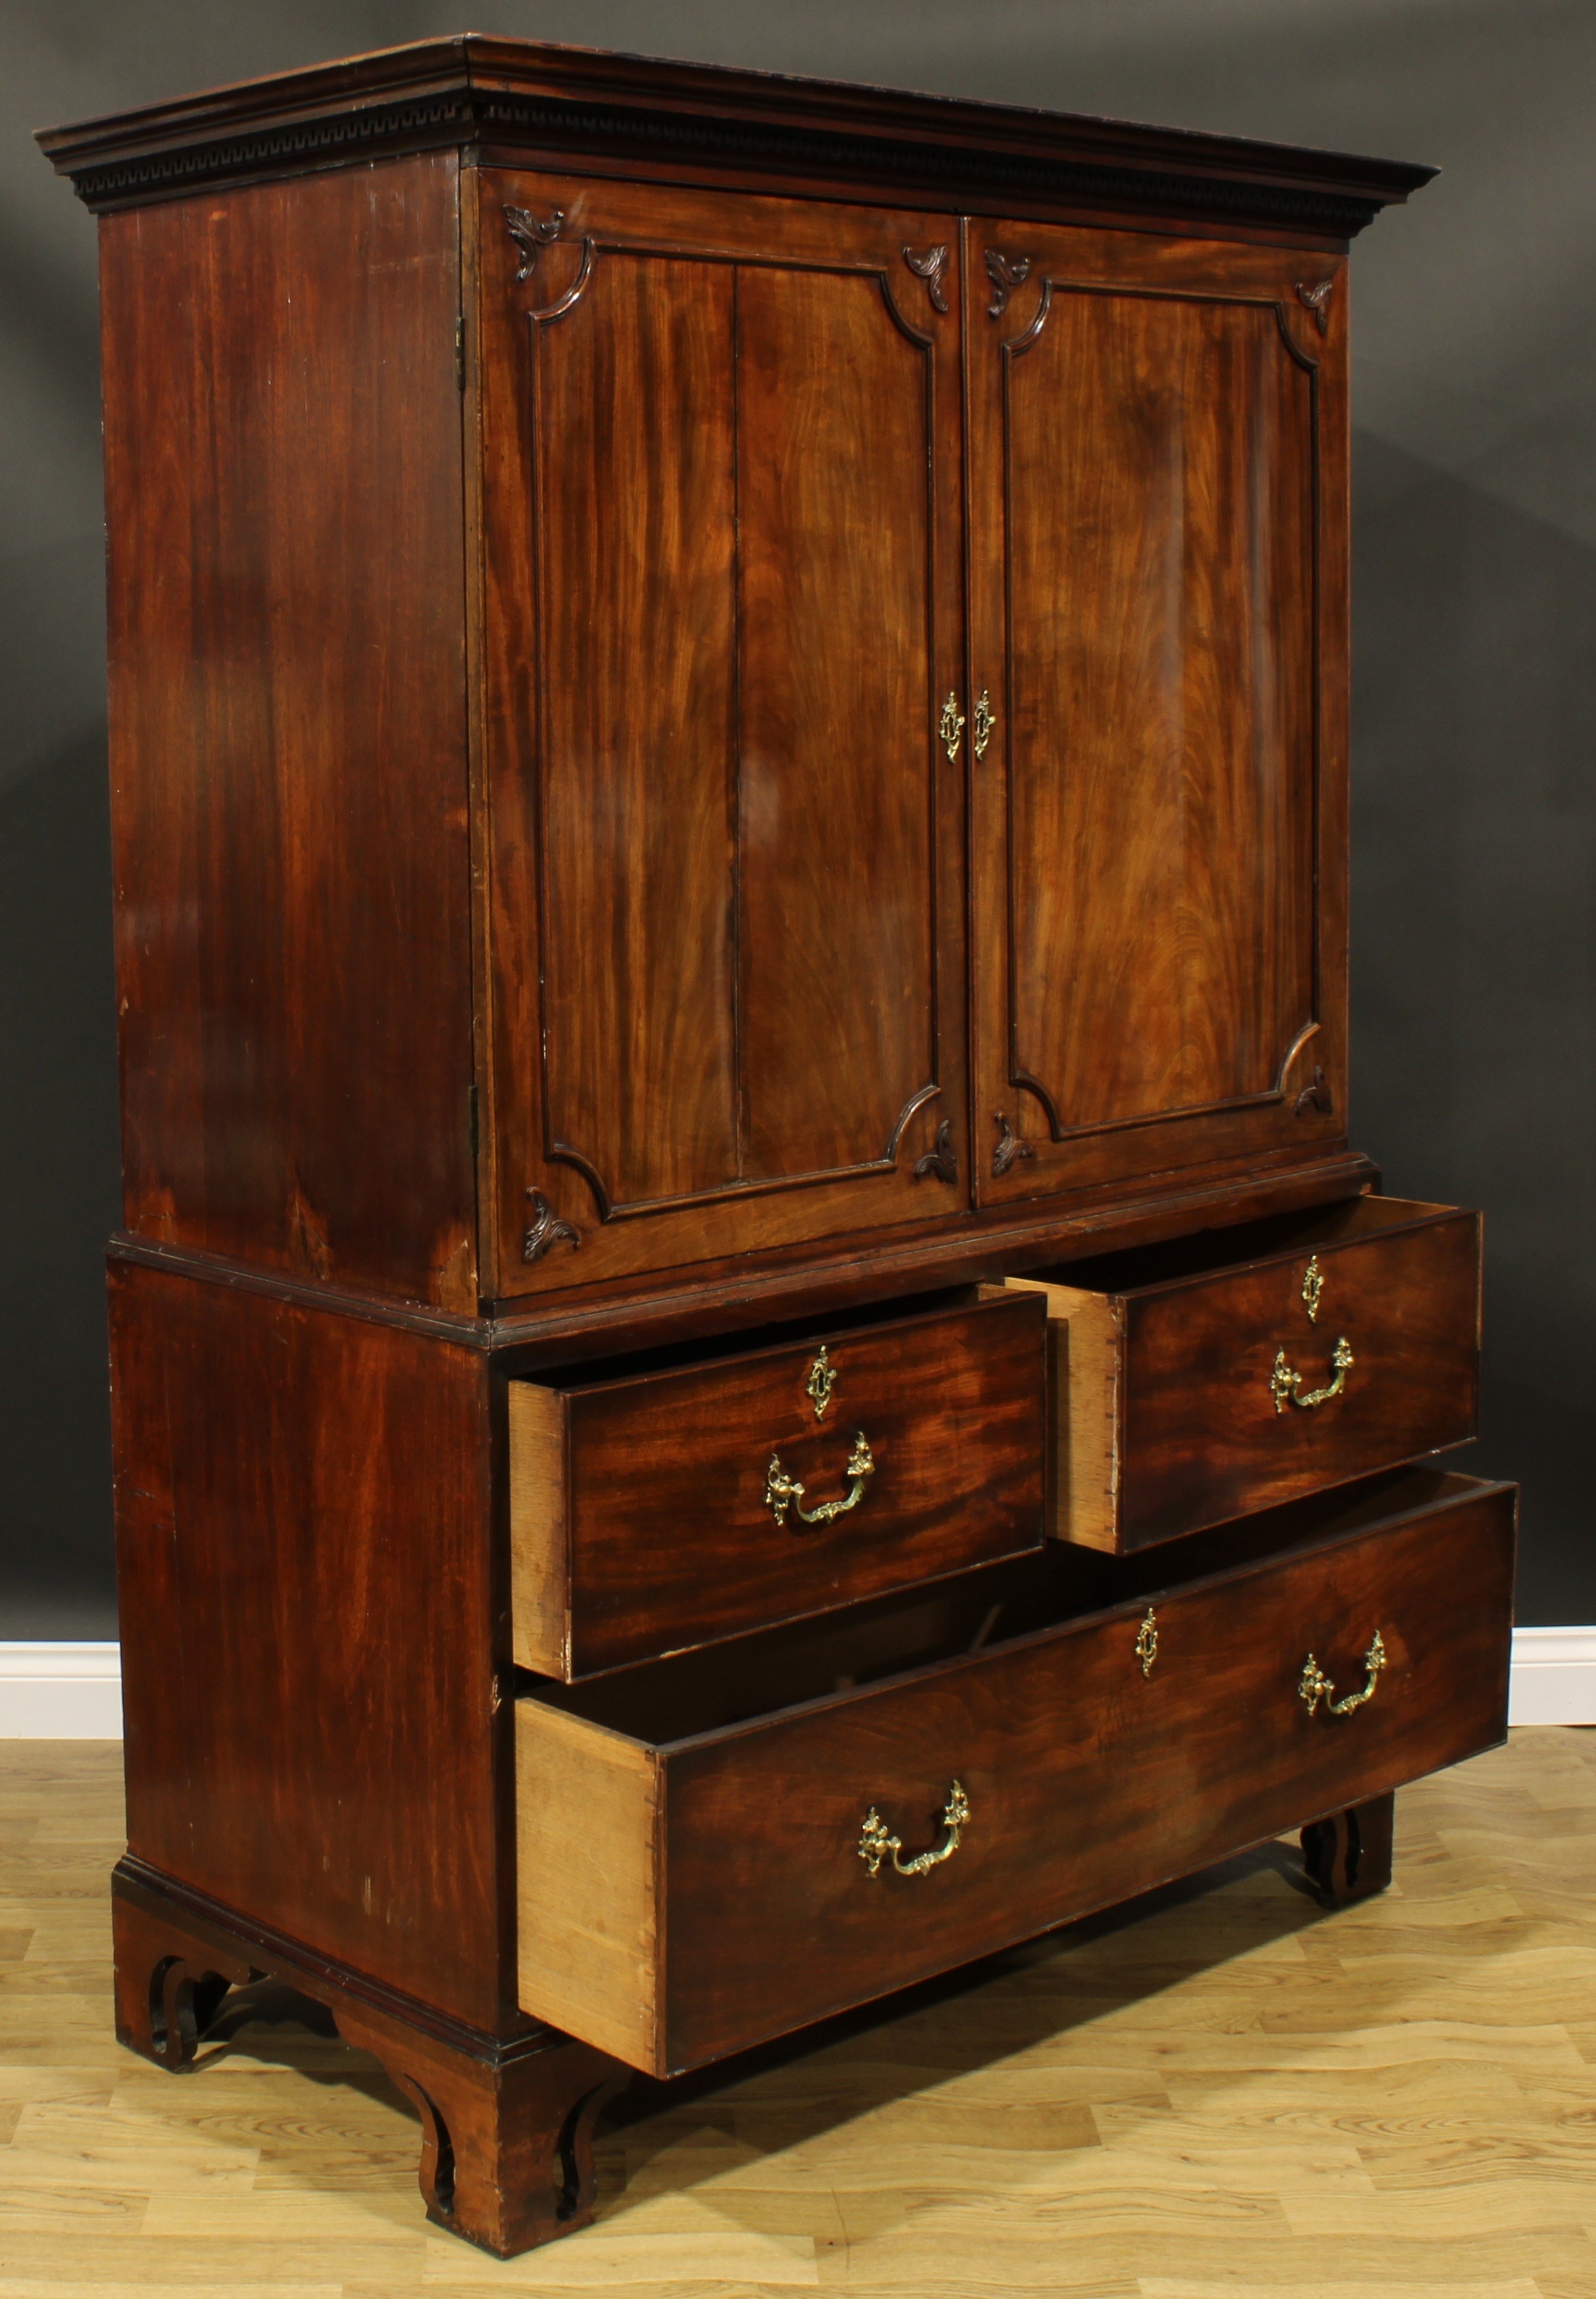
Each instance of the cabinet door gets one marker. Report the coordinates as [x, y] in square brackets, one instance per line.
[1158, 628]
[721, 517]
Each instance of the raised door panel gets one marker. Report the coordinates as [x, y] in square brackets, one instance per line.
[1158, 625]
[720, 449]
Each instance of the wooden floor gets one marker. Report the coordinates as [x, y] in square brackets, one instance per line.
[1223, 2092]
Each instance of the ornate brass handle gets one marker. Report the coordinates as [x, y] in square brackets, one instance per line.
[1285, 1386]
[1314, 1686]
[783, 1492]
[875, 1842]
[951, 727]
[986, 719]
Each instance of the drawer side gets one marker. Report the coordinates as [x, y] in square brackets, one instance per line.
[539, 1544]
[1084, 1342]
[588, 1805]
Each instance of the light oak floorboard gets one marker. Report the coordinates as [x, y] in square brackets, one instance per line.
[1220, 2094]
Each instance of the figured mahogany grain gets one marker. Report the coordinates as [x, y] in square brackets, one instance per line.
[305, 1564]
[1184, 1385]
[284, 521]
[722, 533]
[837, 809]
[650, 1529]
[1088, 1781]
[634, 514]
[1158, 599]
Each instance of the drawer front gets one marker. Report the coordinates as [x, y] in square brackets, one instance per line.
[1183, 1403]
[1237, 1398]
[669, 1509]
[745, 1906]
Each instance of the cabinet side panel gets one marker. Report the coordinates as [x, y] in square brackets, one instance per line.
[287, 725]
[303, 1523]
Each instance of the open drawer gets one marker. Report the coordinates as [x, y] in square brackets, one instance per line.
[682, 1503]
[1192, 1382]
[719, 1847]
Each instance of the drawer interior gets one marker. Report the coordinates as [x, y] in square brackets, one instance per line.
[665, 1701]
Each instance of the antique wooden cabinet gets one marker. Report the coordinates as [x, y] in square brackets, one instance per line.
[749, 1356]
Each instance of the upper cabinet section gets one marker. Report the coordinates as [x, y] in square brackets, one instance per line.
[716, 678]
[722, 526]
[1157, 474]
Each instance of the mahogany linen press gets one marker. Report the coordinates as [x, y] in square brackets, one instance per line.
[749, 1357]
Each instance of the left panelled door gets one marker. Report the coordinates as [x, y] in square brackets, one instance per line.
[720, 525]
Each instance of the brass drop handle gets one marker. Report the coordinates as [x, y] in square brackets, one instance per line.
[1285, 1386]
[783, 1492]
[1314, 1686]
[876, 1842]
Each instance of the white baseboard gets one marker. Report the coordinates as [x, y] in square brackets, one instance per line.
[1554, 1677]
[61, 1691]
[74, 1691]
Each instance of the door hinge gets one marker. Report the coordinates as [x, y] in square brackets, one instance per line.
[459, 352]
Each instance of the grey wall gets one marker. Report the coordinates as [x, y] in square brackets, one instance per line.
[1474, 721]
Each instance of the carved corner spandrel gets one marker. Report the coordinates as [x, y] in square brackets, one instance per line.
[547, 1231]
[1315, 297]
[1006, 273]
[1010, 1149]
[930, 264]
[941, 1161]
[1317, 1096]
[532, 234]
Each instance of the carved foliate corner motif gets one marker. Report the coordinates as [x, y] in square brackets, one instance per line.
[1317, 1096]
[1006, 273]
[941, 1161]
[532, 234]
[930, 268]
[1009, 1147]
[1318, 301]
[548, 1229]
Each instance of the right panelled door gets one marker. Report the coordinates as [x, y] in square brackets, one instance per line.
[1156, 738]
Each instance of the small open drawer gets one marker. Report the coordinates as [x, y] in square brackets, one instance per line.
[1192, 1382]
[681, 1504]
[719, 1847]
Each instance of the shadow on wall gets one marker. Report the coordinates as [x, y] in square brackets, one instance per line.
[58, 1140]
[1474, 946]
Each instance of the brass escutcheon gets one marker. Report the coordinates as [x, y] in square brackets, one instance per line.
[876, 1841]
[821, 1382]
[1147, 1641]
[1313, 1285]
[1314, 1685]
[1285, 1386]
[783, 1492]
[986, 719]
[952, 726]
